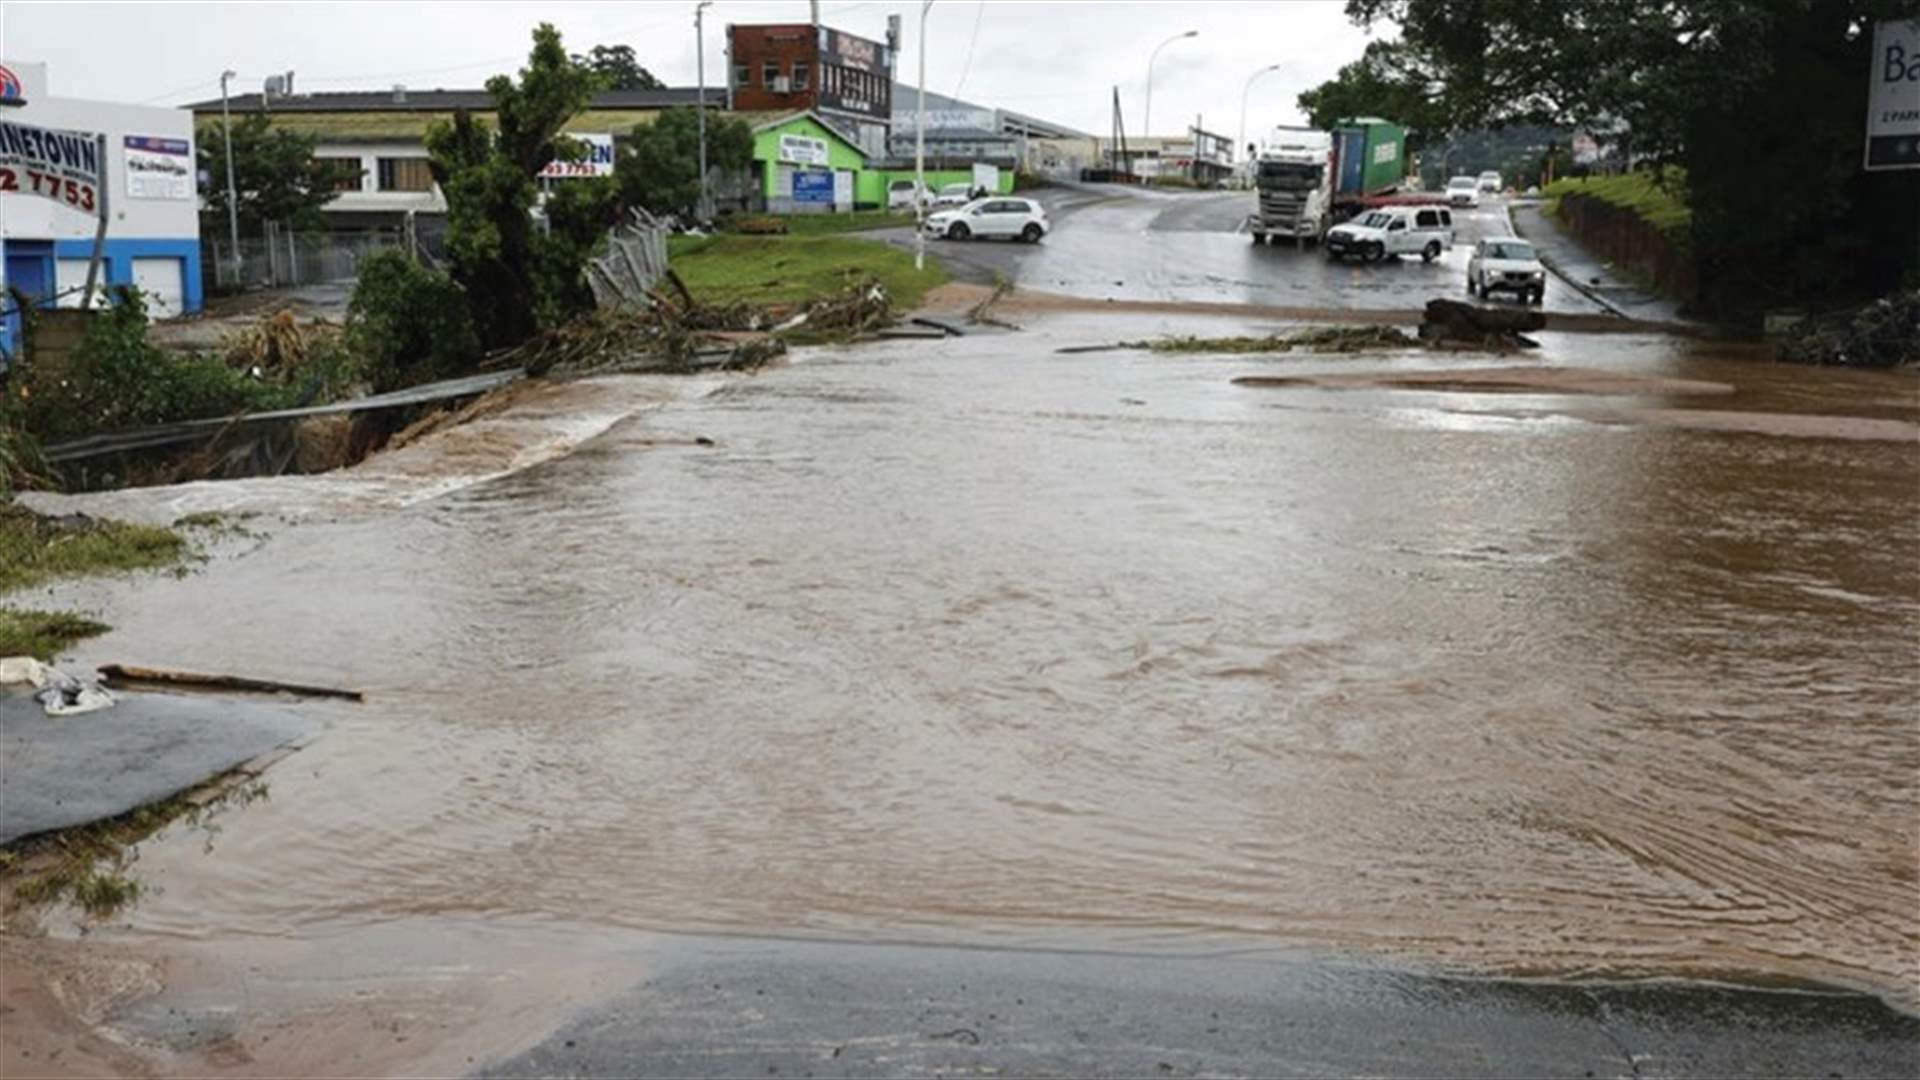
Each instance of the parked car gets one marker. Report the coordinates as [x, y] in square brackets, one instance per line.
[1504, 263]
[1463, 191]
[1016, 219]
[1425, 231]
[900, 194]
[954, 195]
[1490, 181]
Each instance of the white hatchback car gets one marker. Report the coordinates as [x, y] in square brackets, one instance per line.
[1015, 219]
[1505, 263]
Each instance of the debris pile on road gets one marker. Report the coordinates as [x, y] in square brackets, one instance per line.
[1323, 339]
[1885, 333]
[272, 343]
[1450, 324]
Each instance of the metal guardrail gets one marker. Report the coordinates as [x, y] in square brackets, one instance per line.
[189, 430]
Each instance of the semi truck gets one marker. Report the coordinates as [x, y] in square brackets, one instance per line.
[1305, 179]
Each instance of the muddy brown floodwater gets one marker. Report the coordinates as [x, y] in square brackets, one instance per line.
[983, 644]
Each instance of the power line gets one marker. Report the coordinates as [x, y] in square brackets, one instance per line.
[966, 68]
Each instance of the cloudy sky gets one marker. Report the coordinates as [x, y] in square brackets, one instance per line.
[1058, 60]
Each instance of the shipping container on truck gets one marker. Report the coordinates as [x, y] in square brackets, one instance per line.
[1370, 161]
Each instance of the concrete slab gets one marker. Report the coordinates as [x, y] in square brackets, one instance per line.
[780, 1008]
[57, 773]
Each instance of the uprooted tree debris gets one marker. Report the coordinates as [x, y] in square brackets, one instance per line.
[1885, 333]
[1452, 324]
[1325, 339]
[1448, 324]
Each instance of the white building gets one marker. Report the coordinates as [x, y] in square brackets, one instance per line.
[153, 220]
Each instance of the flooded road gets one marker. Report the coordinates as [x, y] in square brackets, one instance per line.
[986, 645]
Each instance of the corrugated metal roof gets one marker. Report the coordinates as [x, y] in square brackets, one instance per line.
[377, 101]
[351, 127]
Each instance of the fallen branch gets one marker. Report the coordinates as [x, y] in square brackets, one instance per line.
[121, 674]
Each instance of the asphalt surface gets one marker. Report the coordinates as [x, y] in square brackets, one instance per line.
[58, 772]
[717, 1007]
[1140, 244]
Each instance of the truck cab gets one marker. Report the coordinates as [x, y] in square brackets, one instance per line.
[1293, 185]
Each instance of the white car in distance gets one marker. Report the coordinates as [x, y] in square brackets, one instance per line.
[1504, 263]
[1014, 219]
[900, 194]
[1490, 181]
[953, 195]
[1463, 191]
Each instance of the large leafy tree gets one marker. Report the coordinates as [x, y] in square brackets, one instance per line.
[618, 68]
[659, 166]
[274, 172]
[488, 179]
[1762, 101]
[1380, 84]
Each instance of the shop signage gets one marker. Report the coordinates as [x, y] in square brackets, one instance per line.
[598, 160]
[158, 168]
[812, 186]
[1893, 97]
[802, 150]
[65, 166]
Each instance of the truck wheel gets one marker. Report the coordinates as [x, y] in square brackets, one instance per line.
[959, 231]
[1473, 288]
[1432, 251]
[1259, 238]
[1373, 252]
[1539, 296]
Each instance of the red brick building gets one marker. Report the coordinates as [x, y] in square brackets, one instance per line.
[847, 80]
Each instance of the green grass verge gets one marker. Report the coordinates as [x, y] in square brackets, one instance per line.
[859, 221]
[1661, 203]
[795, 269]
[43, 634]
[34, 549]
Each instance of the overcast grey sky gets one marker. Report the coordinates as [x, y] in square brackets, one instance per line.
[1057, 60]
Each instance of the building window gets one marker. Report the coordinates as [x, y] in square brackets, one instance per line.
[343, 172]
[405, 174]
[769, 71]
[800, 74]
[742, 76]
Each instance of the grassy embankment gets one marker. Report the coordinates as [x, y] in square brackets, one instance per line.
[34, 549]
[1661, 205]
[795, 268]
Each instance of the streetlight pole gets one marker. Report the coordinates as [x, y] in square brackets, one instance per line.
[1146, 120]
[920, 152]
[1241, 146]
[233, 195]
[700, 105]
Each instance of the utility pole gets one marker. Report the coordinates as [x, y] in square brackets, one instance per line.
[233, 195]
[702, 211]
[1146, 118]
[920, 152]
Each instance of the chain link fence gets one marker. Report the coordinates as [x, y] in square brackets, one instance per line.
[284, 258]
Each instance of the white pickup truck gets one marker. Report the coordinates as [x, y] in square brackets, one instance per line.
[1425, 231]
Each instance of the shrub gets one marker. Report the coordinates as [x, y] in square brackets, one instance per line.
[408, 324]
[117, 379]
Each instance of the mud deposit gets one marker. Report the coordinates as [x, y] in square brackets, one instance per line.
[996, 646]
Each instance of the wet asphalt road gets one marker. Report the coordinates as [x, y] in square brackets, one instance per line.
[1132, 244]
[717, 1007]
